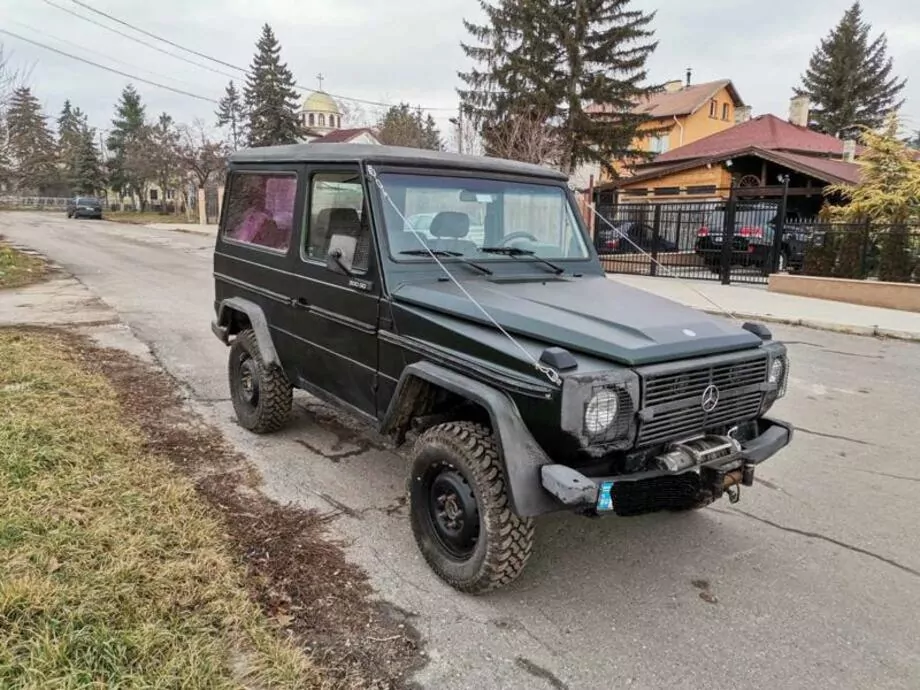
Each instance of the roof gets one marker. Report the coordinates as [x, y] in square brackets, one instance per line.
[341, 136]
[766, 132]
[685, 101]
[320, 102]
[825, 169]
[395, 155]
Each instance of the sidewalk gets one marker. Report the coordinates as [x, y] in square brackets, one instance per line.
[754, 302]
[195, 228]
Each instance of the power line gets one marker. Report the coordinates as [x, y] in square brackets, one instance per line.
[243, 70]
[109, 69]
[101, 54]
[152, 35]
[138, 40]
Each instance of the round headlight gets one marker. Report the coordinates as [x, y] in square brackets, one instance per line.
[776, 370]
[601, 411]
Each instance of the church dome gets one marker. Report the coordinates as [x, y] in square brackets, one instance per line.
[320, 102]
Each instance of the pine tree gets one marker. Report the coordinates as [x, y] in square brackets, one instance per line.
[70, 142]
[165, 150]
[31, 144]
[544, 61]
[128, 142]
[232, 114]
[270, 96]
[402, 126]
[849, 79]
[89, 177]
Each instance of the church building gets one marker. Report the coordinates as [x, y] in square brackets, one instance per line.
[321, 118]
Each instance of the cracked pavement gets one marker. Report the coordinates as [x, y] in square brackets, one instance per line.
[813, 580]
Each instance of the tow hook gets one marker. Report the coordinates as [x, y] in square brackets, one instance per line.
[731, 485]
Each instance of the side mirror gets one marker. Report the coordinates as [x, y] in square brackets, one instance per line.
[340, 257]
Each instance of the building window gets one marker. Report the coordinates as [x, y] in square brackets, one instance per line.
[713, 108]
[337, 214]
[170, 194]
[702, 189]
[666, 191]
[725, 111]
[154, 195]
[321, 119]
[260, 209]
[310, 119]
[660, 143]
[332, 120]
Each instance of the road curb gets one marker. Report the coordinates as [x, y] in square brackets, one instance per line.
[870, 331]
[187, 231]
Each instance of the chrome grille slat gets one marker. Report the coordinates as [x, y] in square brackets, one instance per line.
[671, 401]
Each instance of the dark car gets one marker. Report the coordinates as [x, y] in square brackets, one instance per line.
[528, 382]
[84, 207]
[627, 237]
[752, 243]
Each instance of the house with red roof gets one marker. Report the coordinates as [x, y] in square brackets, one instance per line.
[759, 154]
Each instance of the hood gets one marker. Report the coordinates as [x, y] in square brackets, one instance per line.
[592, 315]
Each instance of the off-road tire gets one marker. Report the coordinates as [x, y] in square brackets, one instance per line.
[273, 407]
[505, 539]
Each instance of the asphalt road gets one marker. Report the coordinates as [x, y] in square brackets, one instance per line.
[811, 581]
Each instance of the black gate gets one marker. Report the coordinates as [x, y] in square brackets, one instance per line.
[739, 240]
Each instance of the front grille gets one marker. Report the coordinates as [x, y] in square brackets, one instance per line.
[672, 401]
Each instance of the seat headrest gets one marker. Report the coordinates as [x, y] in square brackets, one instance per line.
[344, 221]
[452, 224]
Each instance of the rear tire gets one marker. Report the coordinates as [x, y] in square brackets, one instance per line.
[460, 511]
[261, 394]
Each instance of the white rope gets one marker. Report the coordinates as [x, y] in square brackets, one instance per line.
[662, 266]
[546, 370]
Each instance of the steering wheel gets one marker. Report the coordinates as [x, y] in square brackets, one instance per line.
[516, 236]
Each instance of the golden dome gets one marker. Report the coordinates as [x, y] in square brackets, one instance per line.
[320, 102]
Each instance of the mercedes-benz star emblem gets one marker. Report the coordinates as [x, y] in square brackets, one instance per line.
[710, 399]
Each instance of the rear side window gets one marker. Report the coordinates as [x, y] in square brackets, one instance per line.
[260, 209]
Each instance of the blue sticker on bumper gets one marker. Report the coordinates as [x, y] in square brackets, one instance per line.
[604, 499]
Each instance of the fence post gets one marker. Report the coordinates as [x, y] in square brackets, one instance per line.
[202, 207]
[779, 231]
[728, 239]
[656, 233]
[866, 248]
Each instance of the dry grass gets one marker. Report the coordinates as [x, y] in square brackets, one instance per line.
[114, 572]
[144, 217]
[18, 269]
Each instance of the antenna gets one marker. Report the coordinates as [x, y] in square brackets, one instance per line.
[689, 75]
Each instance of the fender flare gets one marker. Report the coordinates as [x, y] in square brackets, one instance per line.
[256, 319]
[521, 455]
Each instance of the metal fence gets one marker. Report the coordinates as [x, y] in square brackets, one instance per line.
[37, 203]
[742, 240]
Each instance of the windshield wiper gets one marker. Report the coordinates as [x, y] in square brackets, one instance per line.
[452, 255]
[516, 252]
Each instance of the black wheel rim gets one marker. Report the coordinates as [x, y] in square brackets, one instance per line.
[249, 381]
[452, 511]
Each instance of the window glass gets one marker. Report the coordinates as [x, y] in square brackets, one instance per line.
[260, 209]
[725, 111]
[462, 216]
[660, 144]
[713, 108]
[337, 208]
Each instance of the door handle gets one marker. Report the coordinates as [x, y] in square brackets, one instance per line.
[300, 303]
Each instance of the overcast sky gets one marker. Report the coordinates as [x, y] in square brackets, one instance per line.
[409, 49]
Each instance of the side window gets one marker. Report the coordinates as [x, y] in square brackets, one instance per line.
[337, 209]
[260, 209]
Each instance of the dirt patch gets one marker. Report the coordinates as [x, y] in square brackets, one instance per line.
[298, 575]
[19, 268]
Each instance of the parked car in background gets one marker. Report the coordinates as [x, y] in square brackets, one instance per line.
[752, 245]
[84, 207]
[629, 237]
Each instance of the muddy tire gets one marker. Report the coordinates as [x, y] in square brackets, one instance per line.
[460, 511]
[261, 394]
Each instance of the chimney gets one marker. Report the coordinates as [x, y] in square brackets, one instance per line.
[689, 74]
[743, 114]
[849, 150]
[673, 86]
[799, 108]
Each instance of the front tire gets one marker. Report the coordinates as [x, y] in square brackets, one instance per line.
[460, 511]
[261, 394]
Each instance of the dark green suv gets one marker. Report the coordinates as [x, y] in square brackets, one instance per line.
[529, 382]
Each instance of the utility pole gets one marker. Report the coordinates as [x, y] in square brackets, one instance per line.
[458, 122]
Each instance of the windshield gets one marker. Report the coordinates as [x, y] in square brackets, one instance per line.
[87, 200]
[468, 217]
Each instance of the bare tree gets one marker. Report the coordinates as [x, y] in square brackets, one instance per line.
[202, 155]
[11, 78]
[526, 137]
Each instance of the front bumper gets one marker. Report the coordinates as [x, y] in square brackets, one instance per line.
[660, 489]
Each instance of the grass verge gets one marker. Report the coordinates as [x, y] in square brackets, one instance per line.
[114, 572]
[18, 269]
[144, 217]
